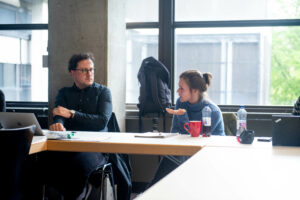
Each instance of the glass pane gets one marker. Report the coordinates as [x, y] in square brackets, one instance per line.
[141, 10]
[22, 76]
[141, 43]
[23, 11]
[250, 66]
[203, 10]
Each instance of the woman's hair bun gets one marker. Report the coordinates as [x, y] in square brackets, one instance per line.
[207, 77]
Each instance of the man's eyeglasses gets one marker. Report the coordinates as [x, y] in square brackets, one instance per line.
[86, 71]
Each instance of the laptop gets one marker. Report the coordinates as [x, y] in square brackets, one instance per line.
[18, 120]
[286, 130]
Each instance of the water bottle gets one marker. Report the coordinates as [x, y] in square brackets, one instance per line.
[241, 121]
[206, 121]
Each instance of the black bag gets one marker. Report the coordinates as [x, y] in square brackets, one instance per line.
[155, 95]
[120, 164]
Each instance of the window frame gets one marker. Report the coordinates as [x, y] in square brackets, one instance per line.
[15, 105]
[166, 51]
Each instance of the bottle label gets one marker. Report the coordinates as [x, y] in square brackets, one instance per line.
[206, 121]
[241, 124]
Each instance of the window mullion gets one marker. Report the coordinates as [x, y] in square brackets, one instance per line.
[166, 37]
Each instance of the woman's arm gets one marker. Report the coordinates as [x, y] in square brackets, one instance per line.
[217, 125]
[179, 119]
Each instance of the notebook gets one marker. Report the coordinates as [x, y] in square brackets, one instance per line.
[18, 120]
[286, 130]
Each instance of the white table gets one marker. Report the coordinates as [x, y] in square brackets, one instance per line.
[109, 142]
[38, 144]
[223, 169]
[234, 174]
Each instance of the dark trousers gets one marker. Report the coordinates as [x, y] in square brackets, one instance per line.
[67, 172]
[31, 180]
[167, 165]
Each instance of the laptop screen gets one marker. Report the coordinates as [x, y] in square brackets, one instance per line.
[18, 120]
[286, 130]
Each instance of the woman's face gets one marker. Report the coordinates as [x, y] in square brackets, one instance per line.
[186, 94]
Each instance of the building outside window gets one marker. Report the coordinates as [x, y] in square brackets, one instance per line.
[250, 47]
[254, 61]
[141, 42]
[23, 45]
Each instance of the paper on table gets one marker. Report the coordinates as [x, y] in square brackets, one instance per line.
[155, 135]
[87, 139]
[72, 135]
[58, 135]
[37, 139]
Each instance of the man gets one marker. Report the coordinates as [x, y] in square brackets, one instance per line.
[86, 106]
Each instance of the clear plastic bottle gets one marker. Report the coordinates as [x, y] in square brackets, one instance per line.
[206, 121]
[241, 121]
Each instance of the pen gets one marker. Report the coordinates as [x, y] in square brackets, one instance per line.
[70, 135]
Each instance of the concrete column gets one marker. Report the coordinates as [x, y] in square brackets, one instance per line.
[96, 26]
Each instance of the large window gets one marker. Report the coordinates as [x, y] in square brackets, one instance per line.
[142, 41]
[250, 47]
[220, 10]
[24, 41]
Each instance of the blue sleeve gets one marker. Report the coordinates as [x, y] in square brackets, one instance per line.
[178, 121]
[217, 125]
[174, 127]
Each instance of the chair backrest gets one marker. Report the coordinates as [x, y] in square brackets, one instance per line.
[230, 121]
[14, 147]
[121, 164]
[113, 125]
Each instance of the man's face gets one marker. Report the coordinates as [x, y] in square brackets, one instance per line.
[84, 74]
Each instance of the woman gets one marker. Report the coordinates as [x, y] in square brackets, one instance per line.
[192, 99]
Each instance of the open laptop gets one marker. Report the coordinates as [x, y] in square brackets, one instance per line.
[17, 120]
[286, 130]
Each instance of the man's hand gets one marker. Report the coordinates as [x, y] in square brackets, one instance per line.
[57, 127]
[61, 111]
[180, 111]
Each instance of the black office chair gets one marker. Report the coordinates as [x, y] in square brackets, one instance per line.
[117, 170]
[101, 179]
[14, 147]
[121, 165]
